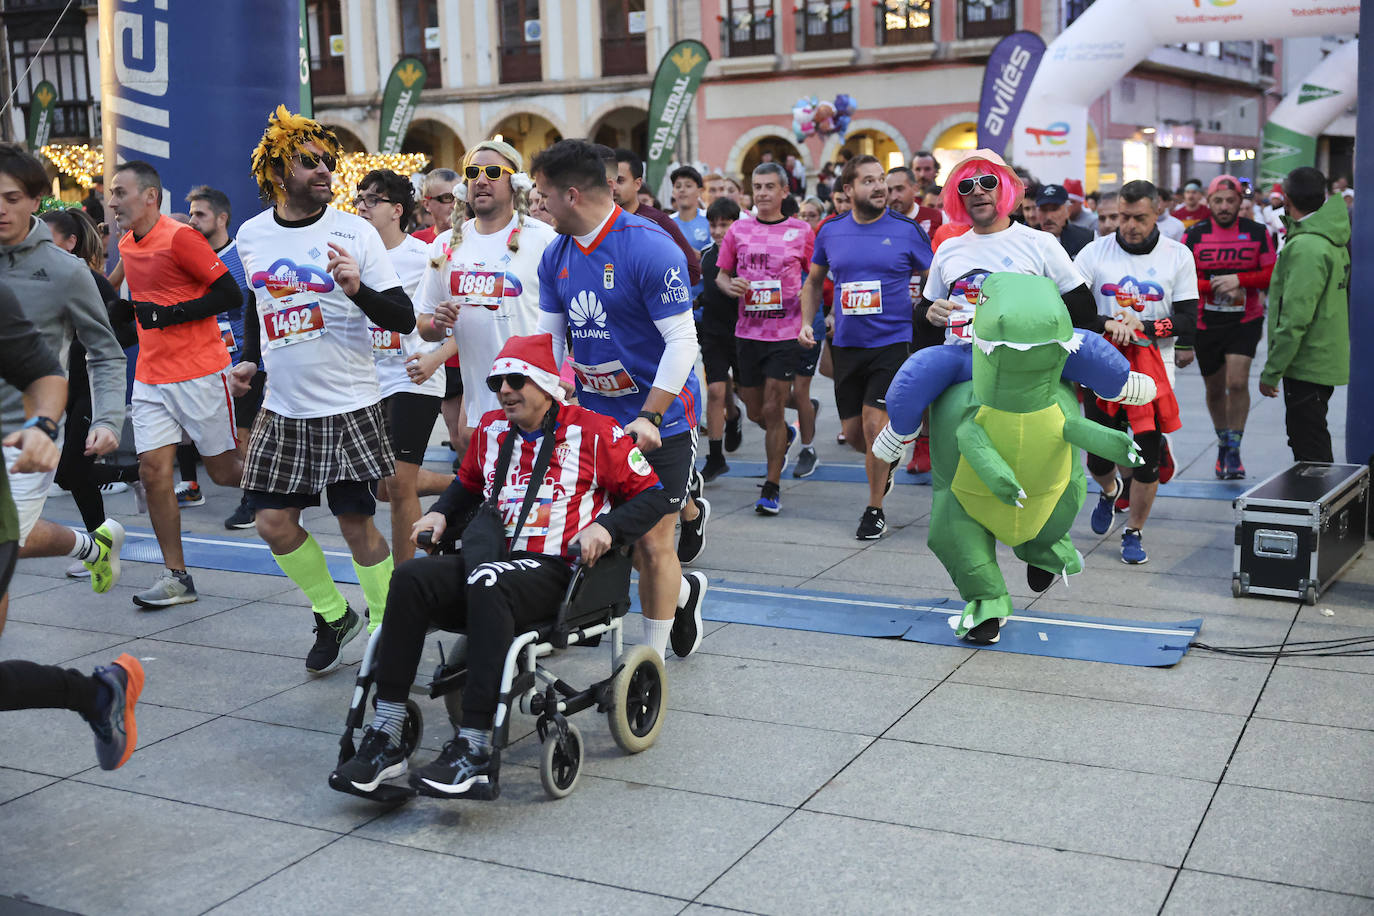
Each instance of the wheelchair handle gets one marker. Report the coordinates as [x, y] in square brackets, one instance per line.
[425, 539]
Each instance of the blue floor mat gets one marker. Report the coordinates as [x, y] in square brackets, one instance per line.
[1096, 639]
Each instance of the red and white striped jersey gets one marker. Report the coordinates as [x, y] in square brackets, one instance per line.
[594, 466]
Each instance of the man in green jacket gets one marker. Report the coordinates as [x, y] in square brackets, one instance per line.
[1309, 327]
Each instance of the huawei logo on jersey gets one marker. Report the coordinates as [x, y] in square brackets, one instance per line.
[586, 310]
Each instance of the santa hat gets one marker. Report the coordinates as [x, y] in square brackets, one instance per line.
[1075, 189]
[531, 357]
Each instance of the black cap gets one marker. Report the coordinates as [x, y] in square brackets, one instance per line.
[1052, 194]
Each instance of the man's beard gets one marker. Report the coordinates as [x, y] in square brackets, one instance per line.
[868, 210]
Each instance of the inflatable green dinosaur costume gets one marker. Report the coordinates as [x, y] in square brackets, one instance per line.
[1004, 451]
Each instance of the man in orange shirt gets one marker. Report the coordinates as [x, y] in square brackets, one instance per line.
[177, 285]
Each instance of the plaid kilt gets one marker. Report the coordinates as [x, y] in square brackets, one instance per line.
[289, 455]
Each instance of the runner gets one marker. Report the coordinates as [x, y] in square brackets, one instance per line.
[482, 287]
[61, 300]
[1052, 206]
[716, 330]
[440, 201]
[1235, 259]
[410, 371]
[321, 427]
[872, 254]
[1108, 213]
[688, 212]
[210, 216]
[1138, 269]
[177, 285]
[761, 264]
[621, 284]
[1193, 210]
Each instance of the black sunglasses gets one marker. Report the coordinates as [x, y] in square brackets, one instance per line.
[515, 380]
[493, 172]
[310, 163]
[986, 182]
[443, 198]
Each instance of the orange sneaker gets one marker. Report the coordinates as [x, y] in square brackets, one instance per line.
[116, 731]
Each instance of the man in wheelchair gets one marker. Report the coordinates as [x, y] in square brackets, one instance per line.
[596, 490]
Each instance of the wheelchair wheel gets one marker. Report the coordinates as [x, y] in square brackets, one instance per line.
[560, 762]
[414, 728]
[639, 696]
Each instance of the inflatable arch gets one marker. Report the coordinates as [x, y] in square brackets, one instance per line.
[1290, 134]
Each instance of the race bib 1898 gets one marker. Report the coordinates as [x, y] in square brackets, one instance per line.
[478, 287]
[384, 342]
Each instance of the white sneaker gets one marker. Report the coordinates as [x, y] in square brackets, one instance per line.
[114, 489]
[167, 591]
[140, 497]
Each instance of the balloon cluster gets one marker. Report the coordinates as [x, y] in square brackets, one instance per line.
[813, 118]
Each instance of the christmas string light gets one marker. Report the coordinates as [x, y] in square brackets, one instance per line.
[82, 163]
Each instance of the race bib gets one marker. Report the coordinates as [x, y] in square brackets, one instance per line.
[478, 287]
[384, 342]
[763, 296]
[960, 324]
[293, 324]
[226, 334]
[861, 297]
[1233, 303]
[537, 522]
[610, 380]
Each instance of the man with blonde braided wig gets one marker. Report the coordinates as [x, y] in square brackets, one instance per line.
[483, 283]
[321, 279]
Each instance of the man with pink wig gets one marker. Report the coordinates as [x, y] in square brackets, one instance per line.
[983, 191]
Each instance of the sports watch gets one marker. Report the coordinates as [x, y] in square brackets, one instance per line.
[652, 416]
[47, 424]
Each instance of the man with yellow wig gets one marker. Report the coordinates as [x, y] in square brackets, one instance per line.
[320, 278]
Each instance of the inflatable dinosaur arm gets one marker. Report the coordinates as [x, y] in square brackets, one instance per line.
[992, 469]
[1111, 444]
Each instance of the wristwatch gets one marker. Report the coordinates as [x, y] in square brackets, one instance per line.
[652, 416]
[47, 424]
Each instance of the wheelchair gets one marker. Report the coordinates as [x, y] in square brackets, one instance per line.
[634, 697]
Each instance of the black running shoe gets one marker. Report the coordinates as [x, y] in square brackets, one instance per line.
[1038, 579]
[377, 761]
[460, 772]
[714, 468]
[769, 502]
[692, 539]
[734, 433]
[806, 462]
[330, 638]
[695, 483]
[986, 633]
[242, 517]
[872, 525]
[686, 633]
[891, 478]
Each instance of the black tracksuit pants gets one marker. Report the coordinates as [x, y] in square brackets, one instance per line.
[1305, 416]
[490, 604]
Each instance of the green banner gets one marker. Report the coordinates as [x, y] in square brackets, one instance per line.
[1284, 150]
[307, 94]
[399, 101]
[40, 114]
[675, 85]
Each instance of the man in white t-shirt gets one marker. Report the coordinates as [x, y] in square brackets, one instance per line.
[322, 279]
[482, 285]
[1137, 269]
[410, 370]
[1169, 226]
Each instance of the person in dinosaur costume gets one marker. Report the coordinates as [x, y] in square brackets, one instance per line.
[1004, 450]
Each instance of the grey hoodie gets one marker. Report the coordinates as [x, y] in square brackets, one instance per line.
[57, 293]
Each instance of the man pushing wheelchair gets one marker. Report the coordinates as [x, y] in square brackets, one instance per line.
[595, 490]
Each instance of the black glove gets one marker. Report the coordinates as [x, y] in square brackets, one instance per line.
[152, 316]
[120, 310]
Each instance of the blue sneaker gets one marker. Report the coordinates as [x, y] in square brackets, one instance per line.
[1132, 551]
[768, 503]
[1105, 510]
[787, 449]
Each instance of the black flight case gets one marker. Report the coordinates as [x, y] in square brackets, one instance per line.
[1299, 530]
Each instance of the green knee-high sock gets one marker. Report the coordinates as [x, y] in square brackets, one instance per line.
[376, 581]
[307, 568]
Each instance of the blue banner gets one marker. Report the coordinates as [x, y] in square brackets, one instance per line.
[187, 87]
[1011, 66]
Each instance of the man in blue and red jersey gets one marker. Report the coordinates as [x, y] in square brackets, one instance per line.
[597, 489]
[1234, 260]
[872, 253]
[622, 285]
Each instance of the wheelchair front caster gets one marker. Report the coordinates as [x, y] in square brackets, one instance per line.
[560, 762]
[639, 697]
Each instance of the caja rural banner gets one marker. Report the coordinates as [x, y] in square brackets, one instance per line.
[1007, 79]
[675, 85]
[1290, 134]
[40, 114]
[187, 87]
[399, 101]
[1112, 36]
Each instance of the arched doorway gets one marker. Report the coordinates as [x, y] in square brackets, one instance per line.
[626, 128]
[953, 144]
[528, 133]
[435, 140]
[350, 141]
[777, 146]
[872, 142]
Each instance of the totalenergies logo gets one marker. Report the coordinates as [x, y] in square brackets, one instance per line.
[1197, 4]
[1057, 134]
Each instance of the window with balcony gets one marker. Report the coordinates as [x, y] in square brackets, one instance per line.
[824, 26]
[521, 32]
[62, 62]
[622, 38]
[986, 18]
[747, 29]
[325, 40]
[904, 22]
[420, 35]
